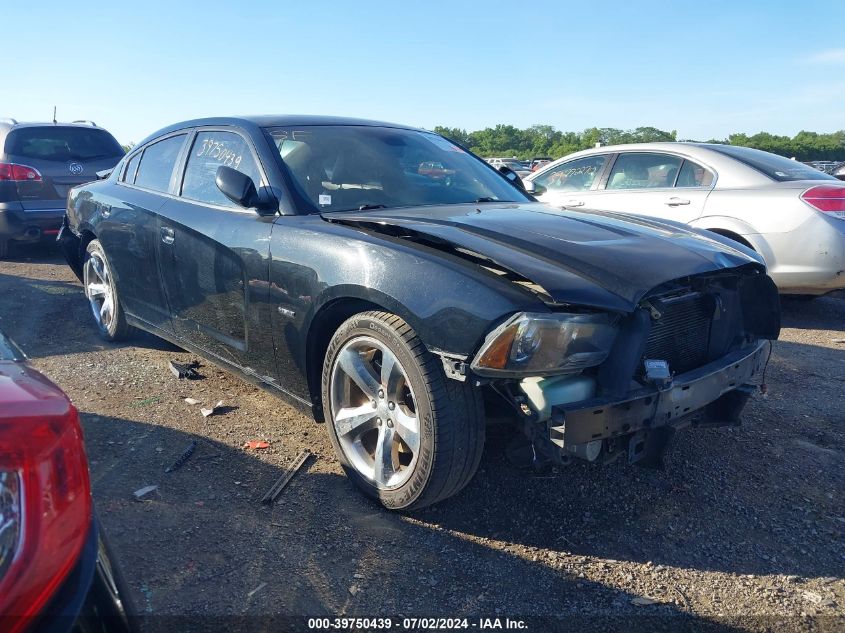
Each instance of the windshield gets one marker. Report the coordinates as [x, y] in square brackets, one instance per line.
[346, 168]
[774, 166]
[62, 143]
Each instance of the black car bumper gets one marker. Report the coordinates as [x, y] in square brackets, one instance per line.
[720, 389]
[70, 245]
[20, 225]
[93, 597]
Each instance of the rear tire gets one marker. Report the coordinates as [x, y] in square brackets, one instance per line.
[101, 292]
[404, 433]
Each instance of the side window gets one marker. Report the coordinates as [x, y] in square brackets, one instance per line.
[694, 175]
[575, 175]
[157, 163]
[131, 169]
[644, 171]
[210, 151]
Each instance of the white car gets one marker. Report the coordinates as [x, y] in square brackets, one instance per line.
[791, 214]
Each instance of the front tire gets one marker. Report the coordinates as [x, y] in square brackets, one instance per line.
[4, 249]
[101, 293]
[404, 433]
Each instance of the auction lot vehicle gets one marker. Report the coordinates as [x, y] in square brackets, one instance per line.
[39, 163]
[56, 572]
[791, 214]
[313, 256]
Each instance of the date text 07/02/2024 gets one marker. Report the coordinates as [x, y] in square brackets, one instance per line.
[410, 624]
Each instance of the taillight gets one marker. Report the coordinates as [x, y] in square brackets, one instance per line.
[20, 173]
[826, 199]
[45, 498]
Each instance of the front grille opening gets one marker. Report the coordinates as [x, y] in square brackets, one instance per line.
[681, 336]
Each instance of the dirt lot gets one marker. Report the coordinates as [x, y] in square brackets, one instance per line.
[744, 530]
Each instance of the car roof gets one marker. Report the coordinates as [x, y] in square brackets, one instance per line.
[7, 125]
[275, 120]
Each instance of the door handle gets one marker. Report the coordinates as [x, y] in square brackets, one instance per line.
[674, 201]
[167, 235]
[574, 203]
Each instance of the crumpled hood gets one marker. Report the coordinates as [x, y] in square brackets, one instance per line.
[606, 260]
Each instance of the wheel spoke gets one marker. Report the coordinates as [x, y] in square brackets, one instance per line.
[96, 290]
[390, 372]
[361, 372]
[408, 428]
[354, 420]
[384, 456]
[98, 267]
[106, 310]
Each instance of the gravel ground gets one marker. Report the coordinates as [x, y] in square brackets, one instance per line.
[743, 530]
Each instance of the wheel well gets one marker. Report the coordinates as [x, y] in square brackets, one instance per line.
[85, 238]
[323, 326]
[732, 236]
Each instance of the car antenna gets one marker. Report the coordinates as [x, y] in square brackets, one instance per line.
[54, 115]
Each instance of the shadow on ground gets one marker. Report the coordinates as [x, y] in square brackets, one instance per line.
[202, 542]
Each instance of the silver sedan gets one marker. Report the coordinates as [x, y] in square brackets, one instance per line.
[791, 214]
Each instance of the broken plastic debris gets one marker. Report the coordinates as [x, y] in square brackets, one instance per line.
[256, 444]
[256, 590]
[208, 412]
[185, 370]
[191, 401]
[144, 491]
[185, 456]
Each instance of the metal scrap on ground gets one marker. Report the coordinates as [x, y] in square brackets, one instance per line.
[144, 491]
[185, 370]
[283, 481]
[185, 456]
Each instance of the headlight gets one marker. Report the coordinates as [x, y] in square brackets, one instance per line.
[545, 344]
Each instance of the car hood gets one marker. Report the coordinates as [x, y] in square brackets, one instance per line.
[593, 258]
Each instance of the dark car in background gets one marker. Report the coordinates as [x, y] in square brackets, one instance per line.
[56, 572]
[323, 259]
[39, 163]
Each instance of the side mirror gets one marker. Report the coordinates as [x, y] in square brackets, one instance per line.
[533, 188]
[512, 176]
[237, 186]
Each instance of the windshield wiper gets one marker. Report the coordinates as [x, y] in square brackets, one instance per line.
[367, 207]
[486, 200]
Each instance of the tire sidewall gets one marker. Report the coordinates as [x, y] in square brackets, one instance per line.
[412, 489]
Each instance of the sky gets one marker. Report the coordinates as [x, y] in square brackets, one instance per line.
[705, 69]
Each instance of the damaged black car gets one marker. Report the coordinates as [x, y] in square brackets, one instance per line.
[325, 260]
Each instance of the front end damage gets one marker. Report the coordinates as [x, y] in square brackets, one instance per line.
[692, 353]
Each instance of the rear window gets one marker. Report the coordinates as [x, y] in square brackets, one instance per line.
[62, 143]
[774, 166]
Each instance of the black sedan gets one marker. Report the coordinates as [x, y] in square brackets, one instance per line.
[314, 257]
[56, 570]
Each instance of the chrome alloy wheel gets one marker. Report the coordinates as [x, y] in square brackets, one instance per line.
[374, 412]
[98, 289]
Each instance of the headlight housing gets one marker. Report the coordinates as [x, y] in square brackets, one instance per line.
[542, 344]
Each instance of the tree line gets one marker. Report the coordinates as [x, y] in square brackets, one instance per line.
[545, 140]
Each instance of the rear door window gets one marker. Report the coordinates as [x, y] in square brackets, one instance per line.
[212, 150]
[694, 175]
[574, 175]
[644, 171]
[157, 163]
[62, 143]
